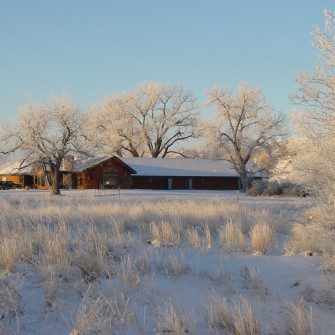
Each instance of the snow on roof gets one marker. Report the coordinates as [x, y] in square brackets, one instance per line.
[89, 163]
[178, 167]
[182, 167]
[14, 168]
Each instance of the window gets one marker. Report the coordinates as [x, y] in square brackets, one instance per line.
[109, 179]
[90, 176]
[21, 180]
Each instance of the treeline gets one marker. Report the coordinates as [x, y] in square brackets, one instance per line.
[160, 120]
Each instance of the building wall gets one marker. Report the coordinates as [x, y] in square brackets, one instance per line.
[100, 175]
[119, 175]
[183, 183]
[23, 180]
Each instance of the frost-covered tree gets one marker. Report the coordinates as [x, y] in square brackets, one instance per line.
[150, 120]
[45, 134]
[314, 164]
[245, 124]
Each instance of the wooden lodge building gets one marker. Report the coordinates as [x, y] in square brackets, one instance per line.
[133, 173]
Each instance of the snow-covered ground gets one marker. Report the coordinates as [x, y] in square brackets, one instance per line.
[95, 266]
[156, 194]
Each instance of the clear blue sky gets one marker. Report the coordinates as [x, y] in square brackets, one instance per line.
[92, 48]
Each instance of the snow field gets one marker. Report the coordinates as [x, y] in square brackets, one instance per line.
[146, 262]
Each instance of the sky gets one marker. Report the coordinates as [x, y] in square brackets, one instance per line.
[92, 48]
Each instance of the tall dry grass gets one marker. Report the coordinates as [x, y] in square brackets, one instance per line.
[299, 320]
[261, 236]
[172, 321]
[233, 317]
[74, 243]
[232, 237]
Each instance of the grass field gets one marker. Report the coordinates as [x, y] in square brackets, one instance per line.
[159, 262]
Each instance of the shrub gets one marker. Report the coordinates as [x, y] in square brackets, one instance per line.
[271, 188]
[232, 236]
[261, 235]
[308, 239]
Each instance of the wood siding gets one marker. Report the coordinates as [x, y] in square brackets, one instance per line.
[113, 173]
[184, 183]
[95, 177]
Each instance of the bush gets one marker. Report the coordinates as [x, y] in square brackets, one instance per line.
[270, 188]
[261, 235]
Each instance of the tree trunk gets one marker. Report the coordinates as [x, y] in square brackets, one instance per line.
[55, 182]
[244, 181]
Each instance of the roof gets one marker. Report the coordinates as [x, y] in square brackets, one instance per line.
[80, 166]
[180, 167]
[14, 168]
[140, 166]
[89, 163]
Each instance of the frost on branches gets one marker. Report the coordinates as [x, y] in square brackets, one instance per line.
[315, 116]
[245, 125]
[150, 120]
[47, 133]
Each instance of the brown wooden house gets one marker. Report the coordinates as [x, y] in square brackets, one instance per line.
[136, 173]
[13, 172]
[103, 172]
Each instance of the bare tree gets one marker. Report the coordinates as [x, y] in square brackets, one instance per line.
[245, 124]
[314, 164]
[45, 134]
[149, 120]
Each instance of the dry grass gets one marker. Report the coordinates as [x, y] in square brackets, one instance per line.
[104, 315]
[261, 236]
[252, 280]
[233, 317]
[177, 265]
[17, 245]
[220, 315]
[164, 234]
[232, 237]
[172, 322]
[10, 285]
[208, 238]
[309, 239]
[328, 260]
[71, 244]
[193, 237]
[88, 313]
[129, 275]
[299, 320]
[246, 323]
